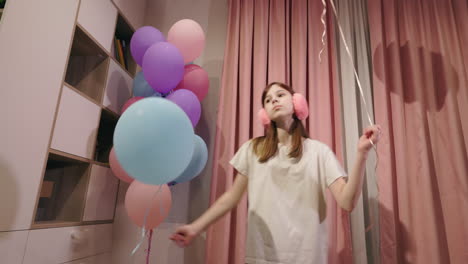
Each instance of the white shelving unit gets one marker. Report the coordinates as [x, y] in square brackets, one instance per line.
[63, 89]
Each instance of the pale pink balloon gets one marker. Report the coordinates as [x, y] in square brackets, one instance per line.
[141, 198]
[130, 102]
[188, 36]
[195, 80]
[118, 171]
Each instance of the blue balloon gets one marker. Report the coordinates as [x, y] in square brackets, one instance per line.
[141, 86]
[153, 141]
[198, 162]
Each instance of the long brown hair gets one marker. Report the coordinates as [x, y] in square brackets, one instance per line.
[266, 146]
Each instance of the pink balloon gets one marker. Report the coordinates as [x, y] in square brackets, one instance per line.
[142, 196]
[118, 171]
[188, 36]
[130, 102]
[195, 80]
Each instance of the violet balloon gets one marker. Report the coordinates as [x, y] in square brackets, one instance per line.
[142, 39]
[163, 67]
[188, 101]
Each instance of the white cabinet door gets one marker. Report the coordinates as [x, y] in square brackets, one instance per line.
[102, 194]
[77, 124]
[118, 88]
[98, 17]
[132, 10]
[12, 246]
[58, 245]
[34, 44]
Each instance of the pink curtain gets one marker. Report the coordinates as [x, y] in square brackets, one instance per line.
[421, 99]
[272, 41]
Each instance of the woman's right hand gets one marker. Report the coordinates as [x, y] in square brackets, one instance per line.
[184, 235]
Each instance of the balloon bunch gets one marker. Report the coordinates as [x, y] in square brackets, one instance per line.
[154, 140]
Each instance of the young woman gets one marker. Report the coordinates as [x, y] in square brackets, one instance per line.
[286, 174]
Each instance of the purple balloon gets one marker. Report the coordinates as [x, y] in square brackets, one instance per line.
[163, 67]
[142, 39]
[188, 101]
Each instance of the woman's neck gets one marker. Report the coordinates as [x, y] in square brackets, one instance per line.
[283, 127]
[284, 137]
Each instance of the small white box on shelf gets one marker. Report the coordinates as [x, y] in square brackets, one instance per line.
[76, 125]
[118, 87]
[102, 194]
[99, 18]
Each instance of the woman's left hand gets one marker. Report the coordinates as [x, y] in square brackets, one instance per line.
[371, 133]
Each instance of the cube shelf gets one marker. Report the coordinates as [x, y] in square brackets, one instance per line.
[2, 5]
[63, 190]
[105, 136]
[78, 187]
[87, 66]
[121, 45]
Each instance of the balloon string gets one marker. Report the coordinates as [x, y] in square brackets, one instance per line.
[352, 63]
[324, 34]
[371, 220]
[348, 52]
[150, 237]
[143, 228]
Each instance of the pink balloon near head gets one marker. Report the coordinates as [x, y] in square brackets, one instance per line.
[118, 171]
[140, 197]
[196, 80]
[130, 102]
[188, 36]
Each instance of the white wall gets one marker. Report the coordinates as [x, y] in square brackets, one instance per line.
[191, 199]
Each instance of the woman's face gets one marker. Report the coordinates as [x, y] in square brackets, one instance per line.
[278, 103]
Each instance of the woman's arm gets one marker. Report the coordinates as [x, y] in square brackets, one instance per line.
[184, 235]
[347, 193]
[224, 204]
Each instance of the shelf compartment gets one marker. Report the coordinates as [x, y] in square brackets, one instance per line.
[123, 34]
[63, 190]
[105, 136]
[87, 66]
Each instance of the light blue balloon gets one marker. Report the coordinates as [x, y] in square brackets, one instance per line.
[141, 86]
[153, 141]
[198, 162]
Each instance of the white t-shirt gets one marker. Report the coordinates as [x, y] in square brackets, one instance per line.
[287, 209]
